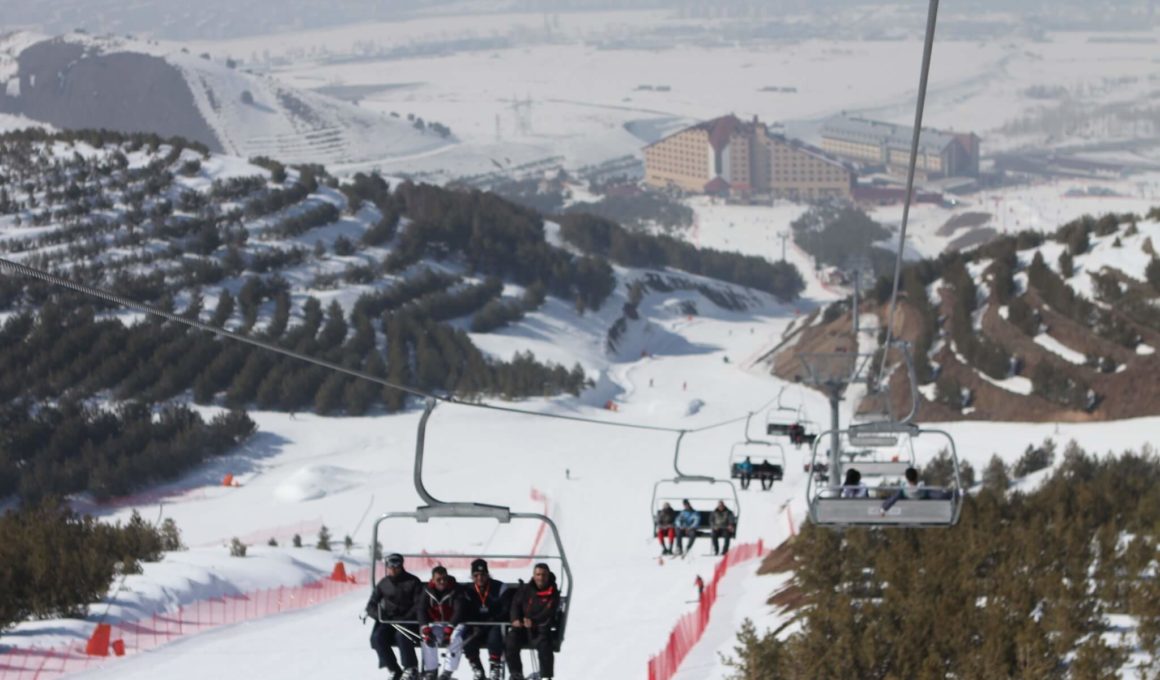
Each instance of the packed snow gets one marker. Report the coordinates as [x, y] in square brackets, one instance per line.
[303, 470]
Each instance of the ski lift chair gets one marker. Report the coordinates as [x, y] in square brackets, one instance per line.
[757, 452]
[705, 493]
[937, 506]
[474, 512]
[780, 418]
[709, 489]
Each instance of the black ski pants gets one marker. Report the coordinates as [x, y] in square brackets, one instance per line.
[382, 637]
[540, 640]
[718, 533]
[479, 637]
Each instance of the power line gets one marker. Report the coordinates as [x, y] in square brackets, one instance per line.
[927, 48]
[92, 291]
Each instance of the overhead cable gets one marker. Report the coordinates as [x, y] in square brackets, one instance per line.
[928, 47]
[92, 291]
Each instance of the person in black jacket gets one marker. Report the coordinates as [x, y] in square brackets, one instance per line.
[485, 600]
[440, 612]
[533, 617]
[394, 599]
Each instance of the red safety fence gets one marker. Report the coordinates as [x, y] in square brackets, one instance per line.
[692, 625]
[131, 637]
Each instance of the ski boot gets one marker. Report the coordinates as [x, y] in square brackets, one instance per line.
[496, 670]
[477, 672]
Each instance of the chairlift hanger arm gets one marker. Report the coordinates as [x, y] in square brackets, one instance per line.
[924, 73]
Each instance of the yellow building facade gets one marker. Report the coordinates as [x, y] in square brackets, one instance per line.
[728, 156]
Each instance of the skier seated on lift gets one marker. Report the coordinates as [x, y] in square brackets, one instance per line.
[394, 599]
[766, 473]
[722, 523]
[687, 523]
[797, 433]
[913, 490]
[485, 600]
[533, 615]
[440, 612]
[745, 468]
[666, 521]
[853, 486]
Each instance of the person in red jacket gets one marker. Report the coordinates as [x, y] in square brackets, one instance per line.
[440, 610]
[533, 617]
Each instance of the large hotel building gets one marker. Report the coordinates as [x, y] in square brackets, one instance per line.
[940, 154]
[728, 156]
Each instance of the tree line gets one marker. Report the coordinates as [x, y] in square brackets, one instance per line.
[1020, 588]
[49, 450]
[604, 238]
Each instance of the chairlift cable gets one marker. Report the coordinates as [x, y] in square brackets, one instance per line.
[928, 47]
[92, 291]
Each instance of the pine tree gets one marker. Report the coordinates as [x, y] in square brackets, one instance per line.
[223, 311]
[995, 476]
[170, 536]
[237, 548]
[323, 538]
[297, 541]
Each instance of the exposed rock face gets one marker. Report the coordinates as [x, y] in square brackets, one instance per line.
[64, 86]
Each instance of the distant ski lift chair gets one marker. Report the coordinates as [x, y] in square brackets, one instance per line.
[759, 454]
[939, 506]
[475, 511]
[782, 417]
[803, 432]
[709, 489]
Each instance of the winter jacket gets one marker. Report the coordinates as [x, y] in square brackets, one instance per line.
[441, 606]
[745, 467]
[491, 602]
[666, 518]
[855, 491]
[688, 519]
[539, 605]
[916, 493]
[766, 468]
[394, 599]
[722, 519]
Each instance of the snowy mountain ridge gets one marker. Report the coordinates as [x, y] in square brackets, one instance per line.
[234, 111]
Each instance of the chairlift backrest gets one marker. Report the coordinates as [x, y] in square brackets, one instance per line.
[703, 494]
[935, 507]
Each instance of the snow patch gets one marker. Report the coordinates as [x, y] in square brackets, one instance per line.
[1059, 349]
[1145, 349]
[1017, 384]
[313, 482]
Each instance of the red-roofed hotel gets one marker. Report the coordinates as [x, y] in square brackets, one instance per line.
[728, 156]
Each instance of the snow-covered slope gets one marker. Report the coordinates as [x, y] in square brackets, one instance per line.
[247, 114]
[625, 599]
